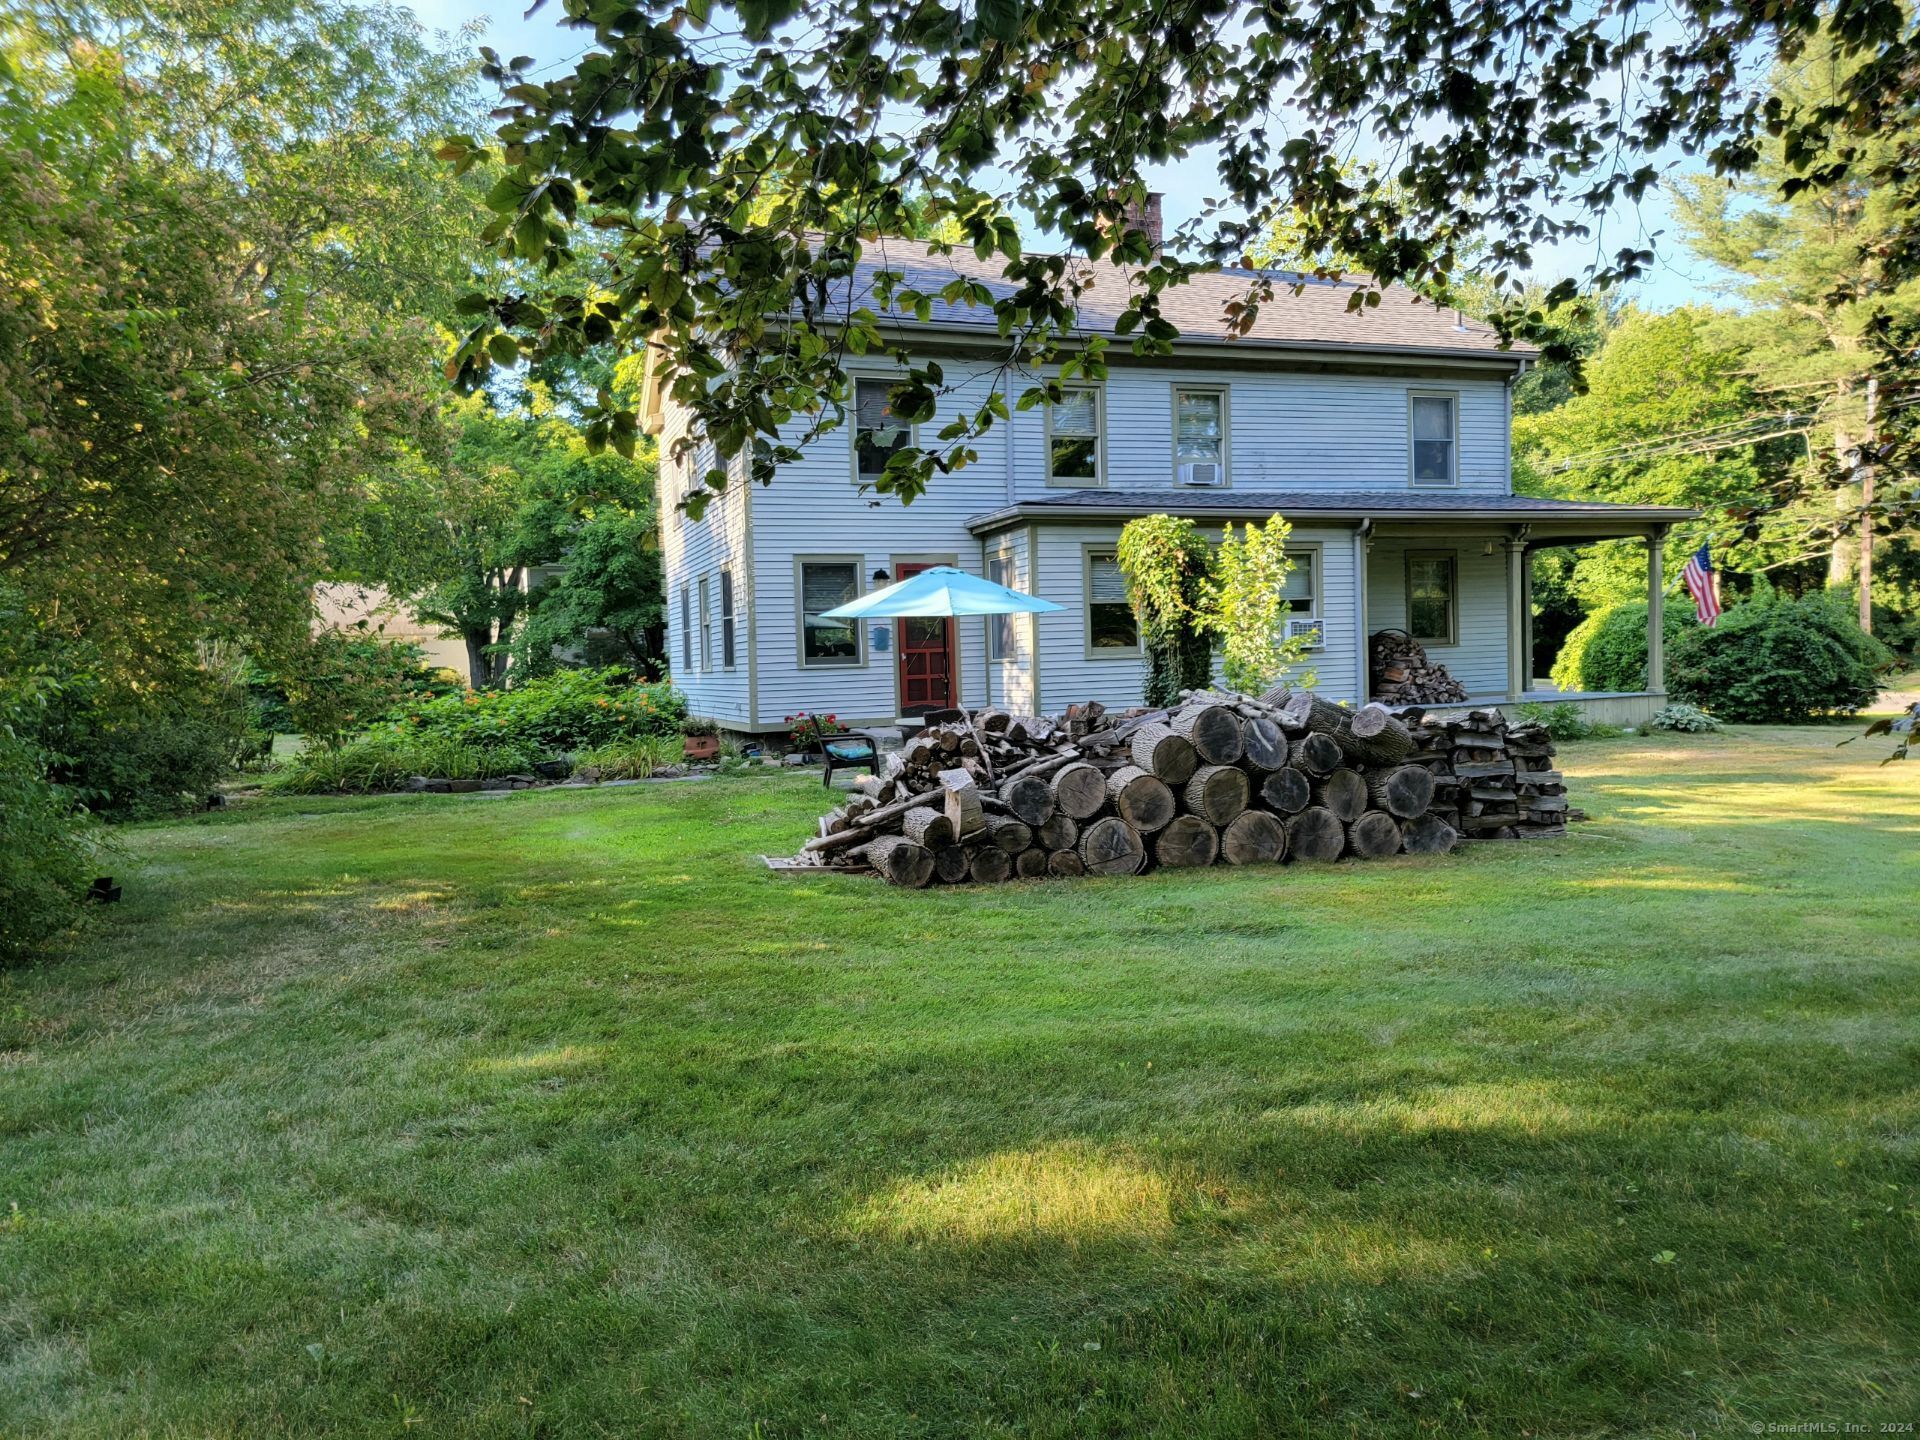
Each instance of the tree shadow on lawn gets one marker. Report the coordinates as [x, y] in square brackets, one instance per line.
[1051, 1238]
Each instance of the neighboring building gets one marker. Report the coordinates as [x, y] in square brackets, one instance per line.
[1382, 435]
[369, 609]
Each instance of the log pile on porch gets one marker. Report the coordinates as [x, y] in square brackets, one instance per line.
[1216, 779]
[1401, 673]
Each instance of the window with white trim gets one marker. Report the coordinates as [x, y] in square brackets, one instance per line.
[686, 627]
[1073, 438]
[877, 435]
[826, 585]
[706, 625]
[726, 619]
[1433, 425]
[1000, 640]
[1300, 595]
[1432, 610]
[1199, 436]
[1112, 627]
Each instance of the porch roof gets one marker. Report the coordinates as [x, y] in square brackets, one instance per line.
[1419, 506]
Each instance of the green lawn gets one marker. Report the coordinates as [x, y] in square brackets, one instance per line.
[553, 1114]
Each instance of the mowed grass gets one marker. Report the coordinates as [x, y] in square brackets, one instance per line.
[554, 1114]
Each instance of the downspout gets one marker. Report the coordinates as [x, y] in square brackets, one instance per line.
[1363, 545]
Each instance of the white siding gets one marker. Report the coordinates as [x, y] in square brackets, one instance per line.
[814, 508]
[1292, 431]
[1069, 673]
[1479, 659]
[1285, 431]
[692, 550]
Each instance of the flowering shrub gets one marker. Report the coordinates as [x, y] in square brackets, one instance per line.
[805, 727]
[567, 710]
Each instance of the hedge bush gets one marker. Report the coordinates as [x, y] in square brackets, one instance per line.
[567, 710]
[1781, 662]
[385, 761]
[46, 844]
[1608, 650]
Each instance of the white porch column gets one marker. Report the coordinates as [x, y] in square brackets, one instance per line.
[1519, 662]
[1362, 548]
[1657, 611]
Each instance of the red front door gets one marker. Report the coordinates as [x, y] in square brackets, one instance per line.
[926, 656]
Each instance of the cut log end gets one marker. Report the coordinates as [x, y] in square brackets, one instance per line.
[1374, 836]
[1187, 841]
[1217, 793]
[1110, 846]
[1316, 833]
[1255, 838]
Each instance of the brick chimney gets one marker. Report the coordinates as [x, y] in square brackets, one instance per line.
[1144, 216]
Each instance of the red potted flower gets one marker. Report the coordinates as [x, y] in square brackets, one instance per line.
[702, 739]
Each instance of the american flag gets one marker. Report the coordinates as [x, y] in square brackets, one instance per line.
[1703, 583]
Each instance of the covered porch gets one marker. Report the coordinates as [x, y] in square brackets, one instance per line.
[1464, 593]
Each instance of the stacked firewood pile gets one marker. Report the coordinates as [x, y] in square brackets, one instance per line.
[1403, 675]
[1492, 780]
[1217, 778]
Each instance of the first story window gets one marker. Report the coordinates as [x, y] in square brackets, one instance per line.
[1434, 441]
[877, 435]
[1000, 641]
[1300, 595]
[726, 619]
[1199, 437]
[1073, 438]
[1431, 609]
[706, 625]
[686, 626]
[826, 585]
[1112, 627]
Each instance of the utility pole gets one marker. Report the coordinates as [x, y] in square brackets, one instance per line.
[1866, 505]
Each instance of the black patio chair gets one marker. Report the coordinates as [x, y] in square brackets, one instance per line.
[843, 749]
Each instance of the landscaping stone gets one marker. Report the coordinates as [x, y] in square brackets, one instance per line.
[499, 783]
[462, 787]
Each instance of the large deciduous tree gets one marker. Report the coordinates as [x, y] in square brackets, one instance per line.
[1504, 124]
[223, 244]
[459, 529]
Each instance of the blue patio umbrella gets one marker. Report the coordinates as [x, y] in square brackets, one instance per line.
[942, 591]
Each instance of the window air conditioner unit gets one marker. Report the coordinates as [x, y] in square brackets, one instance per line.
[1202, 472]
[1308, 629]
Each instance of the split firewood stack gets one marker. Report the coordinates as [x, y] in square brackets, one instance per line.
[1218, 778]
[1492, 780]
[1403, 675]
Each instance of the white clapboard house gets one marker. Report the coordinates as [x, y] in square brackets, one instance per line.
[1382, 435]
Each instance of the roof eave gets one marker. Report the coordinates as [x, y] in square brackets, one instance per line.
[1516, 358]
[1211, 508]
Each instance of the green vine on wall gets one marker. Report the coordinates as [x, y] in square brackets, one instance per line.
[1186, 591]
[1168, 565]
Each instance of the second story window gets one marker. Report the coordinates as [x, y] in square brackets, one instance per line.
[1199, 436]
[1435, 461]
[1073, 439]
[877, 435]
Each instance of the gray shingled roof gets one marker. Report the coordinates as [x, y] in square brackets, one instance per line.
[1316, 318]
[1325, 504]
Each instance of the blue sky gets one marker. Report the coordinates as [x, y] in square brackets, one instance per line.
[1677, 277]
